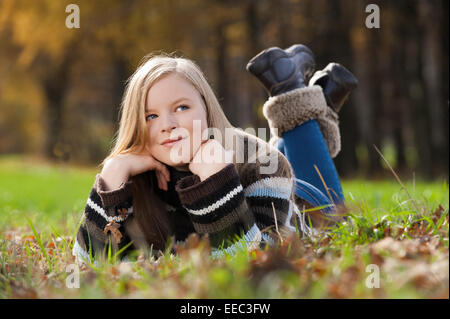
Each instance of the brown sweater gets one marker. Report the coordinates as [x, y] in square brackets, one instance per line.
[233, 206]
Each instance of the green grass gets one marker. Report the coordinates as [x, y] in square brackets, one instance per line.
[47, 195]
[41, 206]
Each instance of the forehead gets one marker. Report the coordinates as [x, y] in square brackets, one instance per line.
[169, 90]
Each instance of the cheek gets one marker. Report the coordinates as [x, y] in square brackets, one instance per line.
[152, 141]
[195, 133]
[195, 130]
[150, 137]
[201, 115]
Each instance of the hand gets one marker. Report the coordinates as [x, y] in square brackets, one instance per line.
[120, 168]
[210, 158]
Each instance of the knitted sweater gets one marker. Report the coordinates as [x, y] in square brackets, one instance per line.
[233, 206]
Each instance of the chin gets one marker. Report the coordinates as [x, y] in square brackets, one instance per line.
[179, 159]
[168, 161]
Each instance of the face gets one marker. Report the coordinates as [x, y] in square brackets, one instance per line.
[172, 106]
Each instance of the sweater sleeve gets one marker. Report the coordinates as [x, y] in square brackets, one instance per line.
[217, 206]
[104, 216]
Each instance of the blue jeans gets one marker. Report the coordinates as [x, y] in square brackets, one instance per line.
[304, 147]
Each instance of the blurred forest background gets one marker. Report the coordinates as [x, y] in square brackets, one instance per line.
[61, 88]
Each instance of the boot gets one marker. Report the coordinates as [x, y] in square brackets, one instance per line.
[285, 75]
[281, 71]
[337, 82]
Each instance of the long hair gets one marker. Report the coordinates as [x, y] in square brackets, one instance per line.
[151, 221]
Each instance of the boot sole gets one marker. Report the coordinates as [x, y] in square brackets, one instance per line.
[338, 73]
[261, 62]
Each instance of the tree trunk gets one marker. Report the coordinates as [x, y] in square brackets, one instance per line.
[418, 103]
[430, 16]
[56, 84]
[255, 90]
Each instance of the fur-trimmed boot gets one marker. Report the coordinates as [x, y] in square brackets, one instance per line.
[285, 75]
[281, 71]
[336, 83]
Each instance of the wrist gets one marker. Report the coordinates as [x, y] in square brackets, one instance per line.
[212, 171]
[115, 173]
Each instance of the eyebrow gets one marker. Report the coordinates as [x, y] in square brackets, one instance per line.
[174, 102]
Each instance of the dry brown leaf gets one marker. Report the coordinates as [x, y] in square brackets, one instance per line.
[437, 213]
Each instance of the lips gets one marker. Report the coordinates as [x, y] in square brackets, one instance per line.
[170, 142]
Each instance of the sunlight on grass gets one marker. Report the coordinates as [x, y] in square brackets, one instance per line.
[48, 195]
[41, 206]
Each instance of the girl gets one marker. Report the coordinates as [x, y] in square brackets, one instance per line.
[147, 192]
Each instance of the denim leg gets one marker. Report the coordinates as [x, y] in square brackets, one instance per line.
[305, 146]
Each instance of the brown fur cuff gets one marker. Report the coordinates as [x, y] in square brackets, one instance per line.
[288, 110]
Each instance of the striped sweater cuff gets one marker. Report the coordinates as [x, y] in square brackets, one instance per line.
[193, 192]
[212, 199]
[115, 197]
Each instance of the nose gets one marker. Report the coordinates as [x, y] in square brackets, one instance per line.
[168, 123]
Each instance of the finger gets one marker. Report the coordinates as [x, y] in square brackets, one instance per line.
[157, 165]
[163, 182]
[165, 177]
[166, 173]
[158, 179]
[160, 167]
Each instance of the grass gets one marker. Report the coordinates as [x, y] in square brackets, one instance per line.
[405, 237]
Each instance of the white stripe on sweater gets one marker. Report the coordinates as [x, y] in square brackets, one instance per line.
[279, 187]
[218, 203]
[101, 211]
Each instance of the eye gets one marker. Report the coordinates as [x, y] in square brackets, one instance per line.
[147, 117]
[183, 106]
